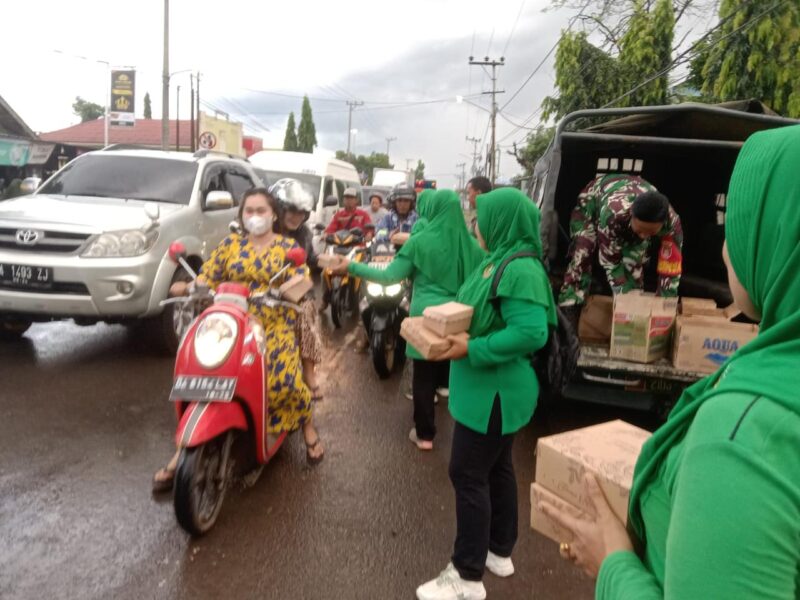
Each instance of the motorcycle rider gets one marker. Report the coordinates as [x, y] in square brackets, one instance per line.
[296, 203]
[350, 216]
[252, 257]
[403, 214]
[377, 211]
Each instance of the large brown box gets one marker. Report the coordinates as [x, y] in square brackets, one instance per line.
[594, 326]
[448, 319]
[608, 450]
[296, 288]
[423, 340]
[703, 344]
[541, 522]
[642, 327]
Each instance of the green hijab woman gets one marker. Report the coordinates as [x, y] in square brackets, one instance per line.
[715, 504]
[493, 391]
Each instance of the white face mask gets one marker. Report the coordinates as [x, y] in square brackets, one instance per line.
[258, 225]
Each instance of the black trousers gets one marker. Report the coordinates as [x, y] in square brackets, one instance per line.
[482, 472]
[427, 376]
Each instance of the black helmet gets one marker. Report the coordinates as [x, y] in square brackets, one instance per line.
[403, 190]
[293, 195]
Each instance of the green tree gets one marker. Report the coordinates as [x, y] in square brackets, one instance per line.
[290, 139]
[87, 111]
[419, 172]
[366, 164]
[645, 50]
[754, 54]
[306, 133]
[586, 77]
[148, 108]
[535, 146]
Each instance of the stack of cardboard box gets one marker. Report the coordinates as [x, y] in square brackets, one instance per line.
[428, 333]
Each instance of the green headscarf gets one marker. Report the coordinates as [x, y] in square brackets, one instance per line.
[443, 240]
[763, 234]
[423, 199]
[509, 223]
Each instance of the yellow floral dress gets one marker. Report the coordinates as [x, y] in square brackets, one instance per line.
[237, 260]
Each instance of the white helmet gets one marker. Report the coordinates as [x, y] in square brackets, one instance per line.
[293, 195]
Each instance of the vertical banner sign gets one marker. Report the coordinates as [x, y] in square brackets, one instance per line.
[122, 96]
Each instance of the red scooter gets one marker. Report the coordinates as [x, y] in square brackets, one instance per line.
[220, 395]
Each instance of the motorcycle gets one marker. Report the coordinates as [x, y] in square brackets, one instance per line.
[382, 310]
[220, 395]
[343, 290]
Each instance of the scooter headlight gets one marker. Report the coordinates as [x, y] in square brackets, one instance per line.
[375, 289]
[215, 337]
[394, 289]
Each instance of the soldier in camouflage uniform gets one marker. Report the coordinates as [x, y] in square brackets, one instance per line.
[616, 215]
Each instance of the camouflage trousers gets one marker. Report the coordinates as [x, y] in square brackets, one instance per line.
[583, 228]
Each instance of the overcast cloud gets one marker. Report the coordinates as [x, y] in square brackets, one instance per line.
[378, 52]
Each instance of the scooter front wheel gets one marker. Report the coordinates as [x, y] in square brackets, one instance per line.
[337, 308]
[201, 479]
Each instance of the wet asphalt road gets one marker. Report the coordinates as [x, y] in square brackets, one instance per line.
[85, 422]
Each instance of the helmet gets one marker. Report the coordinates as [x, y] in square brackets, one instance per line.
[292, 194]
[403, 190]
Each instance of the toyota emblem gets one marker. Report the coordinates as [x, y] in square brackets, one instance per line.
[27, 237]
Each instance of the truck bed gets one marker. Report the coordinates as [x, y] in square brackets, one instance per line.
[595, 356]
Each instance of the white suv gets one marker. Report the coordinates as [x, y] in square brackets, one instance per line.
[92, 243]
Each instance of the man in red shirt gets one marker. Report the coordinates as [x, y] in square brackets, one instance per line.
[350, 216]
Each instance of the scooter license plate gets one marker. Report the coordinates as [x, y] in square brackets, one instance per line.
[200, 388]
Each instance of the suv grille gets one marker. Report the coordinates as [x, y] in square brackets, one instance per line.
[48, 241]
[58, 287]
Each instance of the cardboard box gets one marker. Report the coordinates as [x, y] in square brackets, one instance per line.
[702, 344]
[608, 450]
[699, 306]
[594, 326]
[296, 288]
[448, 319]
[424, 341]
[541, 522]
[642, 327]
[329, 261]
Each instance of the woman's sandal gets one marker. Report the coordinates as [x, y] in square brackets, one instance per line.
[313, 460]
[316, 394]
[164, 483]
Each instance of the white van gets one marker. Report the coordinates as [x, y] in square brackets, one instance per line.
[327, 175]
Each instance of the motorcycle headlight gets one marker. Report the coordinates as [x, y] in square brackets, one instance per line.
[375, 289]
[394, 289]
[214, 339]
[121, 244]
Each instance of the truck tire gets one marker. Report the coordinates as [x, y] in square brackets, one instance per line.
[165, 331]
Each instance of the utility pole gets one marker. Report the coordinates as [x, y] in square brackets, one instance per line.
[191, 98]
[475, 154]
[178, 120]
[351, 105]
[165, 83]
[463, 177]
[494, 64]
[389, 140]
[199, 118]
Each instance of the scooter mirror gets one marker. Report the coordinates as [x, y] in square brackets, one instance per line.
[296, 256]
[177, 251]
[235, 227]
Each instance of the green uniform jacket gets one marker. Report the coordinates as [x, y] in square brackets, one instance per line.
[737, 471]
[426, 292]
[499, 363]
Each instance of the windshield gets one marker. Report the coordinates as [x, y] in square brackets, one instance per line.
[129, 177]
[314, 181]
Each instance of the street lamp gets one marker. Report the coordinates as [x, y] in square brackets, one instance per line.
[108, 87]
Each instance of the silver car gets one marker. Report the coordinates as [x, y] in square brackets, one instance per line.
[92, 243]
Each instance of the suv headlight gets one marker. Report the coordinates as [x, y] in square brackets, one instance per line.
[394, 289]
[121, 244]
[375, 289]
[215, 337]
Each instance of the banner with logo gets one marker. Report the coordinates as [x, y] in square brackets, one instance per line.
[14, 153]
[40, 153]
[122, 98]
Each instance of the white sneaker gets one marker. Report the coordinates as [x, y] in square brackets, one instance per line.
[449, 586]
[443, 393]
[502, 567]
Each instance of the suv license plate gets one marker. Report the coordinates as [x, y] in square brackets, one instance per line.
[199, 388]
[26, 276]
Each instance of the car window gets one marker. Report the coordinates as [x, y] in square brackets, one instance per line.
[340, 187]
[330, 190]
[238, 183]
[214, 179]
[106, 175]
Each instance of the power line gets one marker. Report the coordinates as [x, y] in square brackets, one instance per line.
[514, 28]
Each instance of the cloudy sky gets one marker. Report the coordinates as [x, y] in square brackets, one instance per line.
[258, 58]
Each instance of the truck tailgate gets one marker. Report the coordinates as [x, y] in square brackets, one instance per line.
[594, 356]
